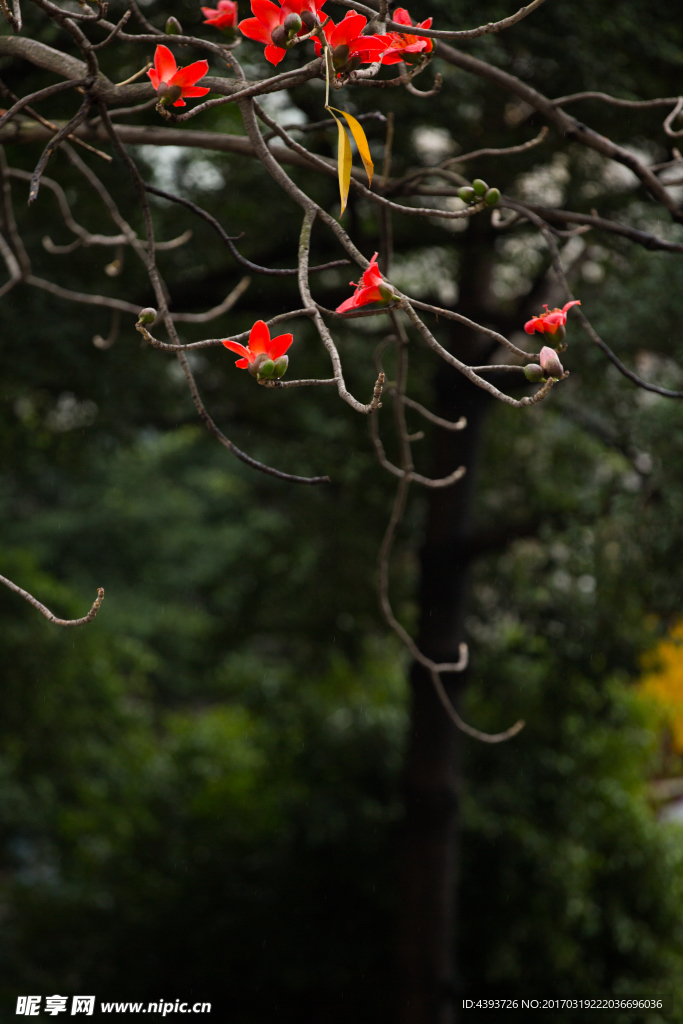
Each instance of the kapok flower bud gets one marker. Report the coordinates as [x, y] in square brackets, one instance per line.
[292, 24]
[386, 291]
[255, 367]
[267, 369]
[340, 56]
[173, 27]
[147, 315]
[309, 20]
[480, 187]
[279, 37]
[467, 194]
[492, 197]
[281, 365]
[550, 362]
[534, 373]
[168, 94]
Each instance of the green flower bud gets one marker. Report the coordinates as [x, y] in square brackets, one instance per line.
[147, 315]
[292, 24]
[173, 27]
[279, 37]
[534, 373]
[309, 20]
[413, 58]
[267, 369]
[340, 56]
[386, 291]
[281, 365]
[492, 197]
[467, 194]
[480, 187]
[168, 94]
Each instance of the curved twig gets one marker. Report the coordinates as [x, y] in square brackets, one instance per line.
[46, 611]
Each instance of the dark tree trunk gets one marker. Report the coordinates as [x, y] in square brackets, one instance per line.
[429, 854]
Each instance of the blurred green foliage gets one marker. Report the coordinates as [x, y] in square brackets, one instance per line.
[201, 789]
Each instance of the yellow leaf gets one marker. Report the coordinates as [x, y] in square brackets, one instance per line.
[361, 142]
[343, 162]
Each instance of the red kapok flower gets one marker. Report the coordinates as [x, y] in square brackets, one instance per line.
[370, 288]
[172, 82]
[225, 18]
[404, 46]
[269, 19]
[262, 350]
[348, 44]
[550, 321]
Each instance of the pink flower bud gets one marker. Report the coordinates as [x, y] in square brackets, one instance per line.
[550, 362]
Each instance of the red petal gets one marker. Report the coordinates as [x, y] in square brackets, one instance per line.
[348, 304]
[391, 57]
[274, 54]
[195, 90]
[242, 363]
[164, 63]
[235, 346]
[348, 30]
[259, 338]
[253, 29]
[153, 77]
[402, 17]
[372, 275]
[209, 12]
[267, 13]
[531, 325]
[575, 302]
[369, 46]
[279, 346]
[191, 74]
[180, 103]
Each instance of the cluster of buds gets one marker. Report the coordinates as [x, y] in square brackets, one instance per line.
[477, 191]
[550, 367]
[284, 35]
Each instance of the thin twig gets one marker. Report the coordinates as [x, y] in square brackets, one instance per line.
[46, 611]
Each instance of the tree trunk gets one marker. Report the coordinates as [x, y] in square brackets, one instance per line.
[428, 863]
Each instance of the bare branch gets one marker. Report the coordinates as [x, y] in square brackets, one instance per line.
[663, 101]
[472, 33]
[459, 424]
[46, 611]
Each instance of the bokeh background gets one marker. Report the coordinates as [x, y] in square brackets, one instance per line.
[201, 791]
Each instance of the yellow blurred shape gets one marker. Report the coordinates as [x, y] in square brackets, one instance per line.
[662, 681]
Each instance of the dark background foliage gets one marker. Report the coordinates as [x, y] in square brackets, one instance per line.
[200, 792]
